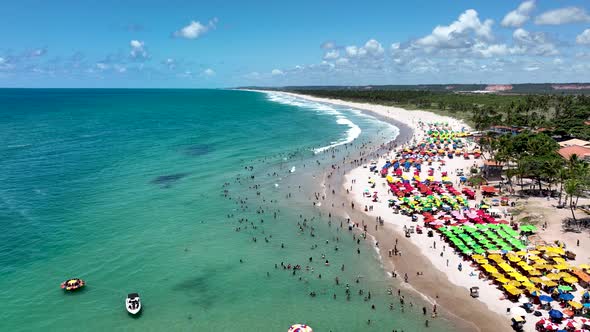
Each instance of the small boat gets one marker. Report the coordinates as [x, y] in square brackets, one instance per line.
[132, 303]
[73, 284]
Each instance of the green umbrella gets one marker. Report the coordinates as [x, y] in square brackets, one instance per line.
[565, 288]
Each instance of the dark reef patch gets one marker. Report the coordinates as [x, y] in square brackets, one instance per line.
[198, 150]
[166, 181]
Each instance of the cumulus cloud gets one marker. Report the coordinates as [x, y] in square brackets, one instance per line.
[584, 38]
[138, 50]
[331, 55]
[456, 35]
[563, 16]
[372, 48]
[535, 43]
[520, 15]
[209, 72]
[277, 72]
[195, 29]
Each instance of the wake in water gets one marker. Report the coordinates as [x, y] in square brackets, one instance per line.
[353, 132]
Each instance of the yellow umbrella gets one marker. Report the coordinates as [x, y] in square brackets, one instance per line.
[502, 280]
[513, 283]
[520, 253]
[576, 305]
[558, 260]
[476, 257]
[489, 268]
[506, 267]
[549, 283]
[527, 284]
[553, 276]
[536, 280]
[534, 272]
[556, 250]
[494, 256]
[570, 280]
[562, 266]
[513, 258]
[584, 267]
[512, 290]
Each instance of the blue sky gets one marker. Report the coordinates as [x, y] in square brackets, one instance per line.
[230, 43]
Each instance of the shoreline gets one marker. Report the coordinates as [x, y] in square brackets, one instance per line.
[437, 284]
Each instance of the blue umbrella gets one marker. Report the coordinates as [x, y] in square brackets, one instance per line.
[555, 314]
[586, 295]
[566, 296]
[586, 305]
[545, 298]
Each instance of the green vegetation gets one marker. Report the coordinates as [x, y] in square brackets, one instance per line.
[557, 114]
[533, 156]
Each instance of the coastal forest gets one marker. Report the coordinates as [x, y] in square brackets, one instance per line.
[562, 115]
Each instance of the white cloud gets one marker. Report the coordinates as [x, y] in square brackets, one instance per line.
[535, 43]
[195, 29]
[532, 68]
[584, 38]
[351, 51]
[374, 48]
[520, 15]
[328, 45]
[563, 16]
[277, 72]
[331, 55]
[209, 72]
[138, 50]
[492, 50]
[456, 34]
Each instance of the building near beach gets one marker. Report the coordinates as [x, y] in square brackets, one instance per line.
[492, 170]
[574, 141]
[582, 152]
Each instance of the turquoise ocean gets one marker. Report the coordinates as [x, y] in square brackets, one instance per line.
[144, 190]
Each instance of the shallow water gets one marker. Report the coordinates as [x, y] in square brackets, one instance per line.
[124, 188]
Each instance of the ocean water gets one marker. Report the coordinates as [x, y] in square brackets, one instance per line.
[144, 190]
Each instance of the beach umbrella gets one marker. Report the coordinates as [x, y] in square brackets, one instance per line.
[545, 298]
[571, 324]
[565, 288]
[555, 314]
[300, 328]
[566, 296]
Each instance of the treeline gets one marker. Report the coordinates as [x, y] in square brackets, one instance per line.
[533, 156]
[563, 115]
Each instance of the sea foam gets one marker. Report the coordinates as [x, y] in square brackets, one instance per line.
[352, 133]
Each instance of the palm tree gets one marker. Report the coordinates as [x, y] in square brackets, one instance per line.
[572, 188]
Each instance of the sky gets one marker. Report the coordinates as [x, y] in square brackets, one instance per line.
[202, 44]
